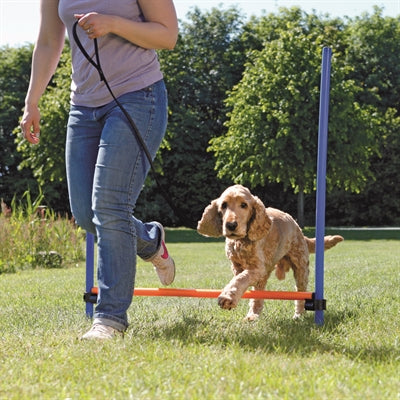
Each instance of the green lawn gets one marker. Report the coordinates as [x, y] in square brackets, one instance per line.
[182, 348]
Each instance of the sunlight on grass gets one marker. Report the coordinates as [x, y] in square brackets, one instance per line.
[183, 348]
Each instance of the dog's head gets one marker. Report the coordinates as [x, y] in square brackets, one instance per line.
[236, 214]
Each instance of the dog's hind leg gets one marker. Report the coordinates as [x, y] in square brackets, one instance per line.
[300, 273]
[282, 268]
[256, 305]
[300, 264]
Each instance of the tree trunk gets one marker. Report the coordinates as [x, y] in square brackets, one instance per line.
[300, 208]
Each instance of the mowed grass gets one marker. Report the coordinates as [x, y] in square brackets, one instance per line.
[183, 348]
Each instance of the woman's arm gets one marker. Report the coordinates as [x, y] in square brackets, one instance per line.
[159, 31]
[46, 55]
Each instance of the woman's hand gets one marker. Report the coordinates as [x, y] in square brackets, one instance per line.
[30, 124]
[46, 55]
[158, 31]
[95, 25]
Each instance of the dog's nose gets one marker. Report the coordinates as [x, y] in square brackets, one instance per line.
[231, 226]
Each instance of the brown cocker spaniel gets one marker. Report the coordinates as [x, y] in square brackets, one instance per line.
[257, 241]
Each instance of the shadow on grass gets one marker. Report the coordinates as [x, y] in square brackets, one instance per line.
[276, 335]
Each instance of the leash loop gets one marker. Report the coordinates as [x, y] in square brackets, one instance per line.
[85, 53]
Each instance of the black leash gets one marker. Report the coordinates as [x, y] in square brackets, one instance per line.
[97, 65]
[132, 124]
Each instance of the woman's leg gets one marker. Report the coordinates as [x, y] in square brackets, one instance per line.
[120, 172]
[82, 144]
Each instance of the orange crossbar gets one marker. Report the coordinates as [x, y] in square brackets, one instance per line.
[211, 293]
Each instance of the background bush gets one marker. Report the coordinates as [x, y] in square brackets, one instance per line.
[32, 236]
[218, 54]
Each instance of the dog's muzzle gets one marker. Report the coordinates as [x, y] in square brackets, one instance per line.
[231, 226]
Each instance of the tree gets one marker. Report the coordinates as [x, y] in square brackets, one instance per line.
[374, 54]
[266, 132]
[374, 51]
[14, 77]
[273, 125]
[206, 62]
[379, 203]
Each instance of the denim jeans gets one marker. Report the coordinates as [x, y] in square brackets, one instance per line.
[106, 170]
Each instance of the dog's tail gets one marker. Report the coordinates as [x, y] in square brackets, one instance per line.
[329, 242]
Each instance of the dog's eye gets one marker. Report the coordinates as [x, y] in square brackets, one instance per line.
[243, 205]
[224, 205]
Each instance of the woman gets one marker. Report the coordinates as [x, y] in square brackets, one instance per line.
[106, 167]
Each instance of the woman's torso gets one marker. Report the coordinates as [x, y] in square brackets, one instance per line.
[126, 67]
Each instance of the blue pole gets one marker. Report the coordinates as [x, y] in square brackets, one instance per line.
[321, 181]
[89, 270]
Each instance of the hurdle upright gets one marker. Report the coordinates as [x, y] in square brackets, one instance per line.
[321, 184]
[89, 271]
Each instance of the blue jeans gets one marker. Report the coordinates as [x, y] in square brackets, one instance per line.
[106, 170]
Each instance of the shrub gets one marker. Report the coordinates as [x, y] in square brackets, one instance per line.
[33, 236]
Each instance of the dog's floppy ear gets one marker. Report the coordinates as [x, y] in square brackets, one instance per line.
[211, 221]
[259, 223]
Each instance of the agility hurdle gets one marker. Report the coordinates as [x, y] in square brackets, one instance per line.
[314, 301]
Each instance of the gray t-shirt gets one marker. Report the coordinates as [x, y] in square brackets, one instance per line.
[126, 66]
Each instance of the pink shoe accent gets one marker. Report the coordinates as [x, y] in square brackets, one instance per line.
[165, 254]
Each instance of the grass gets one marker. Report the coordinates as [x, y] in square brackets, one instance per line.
[182, 348]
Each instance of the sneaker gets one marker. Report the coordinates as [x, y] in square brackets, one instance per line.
[163, 262]
[101, 332]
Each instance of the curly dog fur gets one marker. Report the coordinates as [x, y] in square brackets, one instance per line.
[258, 240]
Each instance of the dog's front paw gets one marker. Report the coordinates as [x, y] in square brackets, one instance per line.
[251, 316]
[226, 302]
[298, 315]
[299, 309]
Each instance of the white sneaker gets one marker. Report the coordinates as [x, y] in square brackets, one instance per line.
[163, 262]
[101, 332]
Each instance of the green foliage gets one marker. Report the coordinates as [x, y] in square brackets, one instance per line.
[32, 236]
[14, 77]
[51, 259]
[375, 53]
[183, 348]
[207, 61]
[47, 160]
[273, 125]
[266, 131]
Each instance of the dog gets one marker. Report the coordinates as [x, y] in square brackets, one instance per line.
[258, 240]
